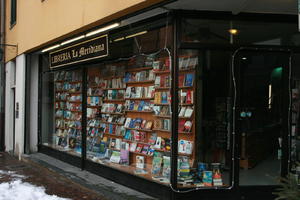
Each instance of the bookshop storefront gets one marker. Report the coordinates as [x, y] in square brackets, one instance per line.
[182, 105]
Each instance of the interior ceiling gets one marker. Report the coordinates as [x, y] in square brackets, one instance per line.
[237, 6]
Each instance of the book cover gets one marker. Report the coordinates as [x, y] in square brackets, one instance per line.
[128, 92]
[140, 162]
[139, 148]
[152, 138]
[124, 157]
[157, 124]
[181, 80]
[133, 147]
[158, 143]
[137, 123]
[127, 122]
[156, 110]
[141, 105]
[145, 149]
[189, 147]
[115, 157]
[187, 126]
[131, 124]
[189, 80]
[188, 112]
[166, 171]
[157, 98]
[207, 178]
[143, 124]
[182, 111]
[157, 81]
[136, 136]
[156, 165]
[181, 125]
[164, 97]
[156, 65]
[148, 125]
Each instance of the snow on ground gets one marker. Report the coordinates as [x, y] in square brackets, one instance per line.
[17, 189]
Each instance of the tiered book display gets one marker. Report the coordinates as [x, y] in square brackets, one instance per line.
[68, 111]
[129, 116]
[129, 123]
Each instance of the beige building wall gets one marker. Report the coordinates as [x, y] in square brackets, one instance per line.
[40, 22]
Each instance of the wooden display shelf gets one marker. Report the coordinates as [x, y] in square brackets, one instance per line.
[185, 117]
[60, 91]
[138, 111]
[185, 87]
[141, 98]
[161, 104]
[74, 101]
[162, 130]
[162, 88]
[163, 116]
[114, 100]
[74, 110]
[142, 130]
[140, 82]
[186, 104]
[111, 77]
[133, 141]
[113, 135]
[89, 106]
[162, 72]
[115, 123]
[114, 88]
[94, 86]
[139, 153]
[187, 70]
[62, 118]
[56, 100]
[74, 82]
[139, 69]
[95, 95]
[183, 132]
[112, 113]
[73, 92]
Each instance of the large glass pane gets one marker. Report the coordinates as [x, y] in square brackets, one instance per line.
[239, 32]
[294, 118]
[128, 107]
[261, 89]
[204, 158]
[61, 111]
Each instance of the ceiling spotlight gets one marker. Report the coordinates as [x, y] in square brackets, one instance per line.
[233, 31]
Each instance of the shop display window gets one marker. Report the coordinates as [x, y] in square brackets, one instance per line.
[62, 114]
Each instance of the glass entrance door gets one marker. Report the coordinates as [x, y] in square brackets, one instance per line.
[261, 80]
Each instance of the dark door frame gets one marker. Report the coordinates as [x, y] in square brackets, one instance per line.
[286, 108]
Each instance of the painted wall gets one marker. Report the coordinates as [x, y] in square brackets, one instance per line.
[9, 105]
[33, 127]
[40, 22]
[20, 98]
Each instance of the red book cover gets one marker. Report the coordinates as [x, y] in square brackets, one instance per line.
[139, 148]
[162, 81]
[189, 96]
[167, 63]
[180, 80]
[181, 125]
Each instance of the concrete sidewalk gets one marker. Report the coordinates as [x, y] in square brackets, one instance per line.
[65, 180]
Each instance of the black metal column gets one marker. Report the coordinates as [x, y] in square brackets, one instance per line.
[83, 122]
[174, 106]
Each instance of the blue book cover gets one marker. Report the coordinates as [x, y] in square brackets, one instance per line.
[141, 106]
[164, 97]
[132, 122]
[189, 79]
[131, 105]
[127, 77]
[111, 129]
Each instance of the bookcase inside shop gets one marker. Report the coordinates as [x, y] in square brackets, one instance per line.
[68, 111]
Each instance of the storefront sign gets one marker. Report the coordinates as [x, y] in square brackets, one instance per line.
[84, 51]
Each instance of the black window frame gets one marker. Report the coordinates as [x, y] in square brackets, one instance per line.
[13, 13]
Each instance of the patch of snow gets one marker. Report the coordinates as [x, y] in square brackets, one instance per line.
[17, 189]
